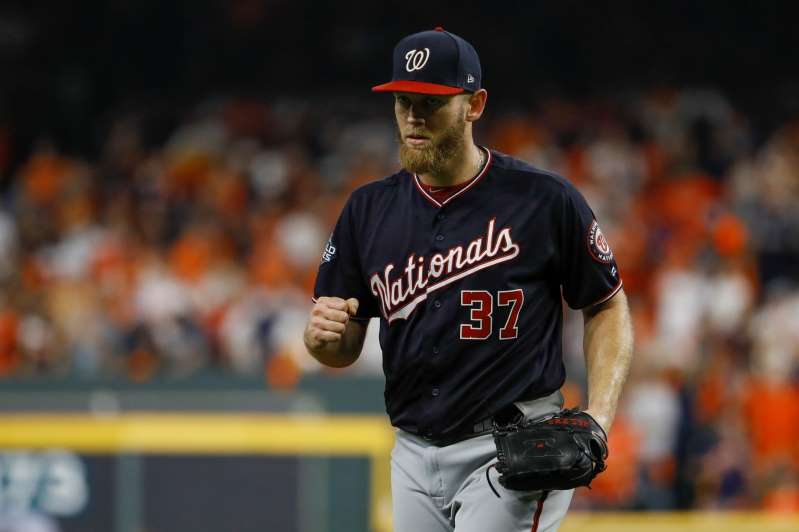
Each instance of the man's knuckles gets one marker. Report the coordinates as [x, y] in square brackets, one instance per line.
[323, 336]
[352, 306]
[329, 314]
[334, 326]
[332, 302]
[323, 324]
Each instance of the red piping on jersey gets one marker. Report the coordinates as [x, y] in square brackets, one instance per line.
[611, 294]
[479, 176]
[538, 511]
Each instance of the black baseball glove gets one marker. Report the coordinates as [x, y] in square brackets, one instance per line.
[558, 452]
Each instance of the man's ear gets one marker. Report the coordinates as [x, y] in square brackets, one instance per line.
[476, 105]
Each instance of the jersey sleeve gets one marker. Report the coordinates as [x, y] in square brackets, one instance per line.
[588, 271]
[340, 273]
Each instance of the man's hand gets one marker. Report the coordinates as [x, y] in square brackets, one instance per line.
[330, 336]
[329, 317]
[602, 419]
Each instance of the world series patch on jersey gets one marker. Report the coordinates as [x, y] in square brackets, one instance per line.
[468, 290]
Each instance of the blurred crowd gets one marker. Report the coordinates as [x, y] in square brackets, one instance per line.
[199, 254]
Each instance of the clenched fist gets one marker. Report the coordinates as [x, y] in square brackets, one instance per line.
[329, 318]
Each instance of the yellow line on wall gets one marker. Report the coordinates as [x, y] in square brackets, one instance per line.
[190, 433]
[679, 521]
[370, 436]
[213, 433]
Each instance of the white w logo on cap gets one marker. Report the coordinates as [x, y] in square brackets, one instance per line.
[416, 59]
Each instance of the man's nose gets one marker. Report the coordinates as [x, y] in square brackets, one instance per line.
[414, 117]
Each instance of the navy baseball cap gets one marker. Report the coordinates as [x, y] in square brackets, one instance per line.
[434, 62]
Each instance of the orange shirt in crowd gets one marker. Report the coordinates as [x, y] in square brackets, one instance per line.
[772, 411]
[617, 484]
[9, 356]
[44, 177]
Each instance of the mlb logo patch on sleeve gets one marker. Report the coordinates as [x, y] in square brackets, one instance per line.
[598, 244]
[329, 252]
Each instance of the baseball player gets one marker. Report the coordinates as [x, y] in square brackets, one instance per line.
[465, 256]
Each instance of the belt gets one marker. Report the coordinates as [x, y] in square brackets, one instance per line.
[484, 426]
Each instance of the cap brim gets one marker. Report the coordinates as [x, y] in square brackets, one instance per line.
[418, 87]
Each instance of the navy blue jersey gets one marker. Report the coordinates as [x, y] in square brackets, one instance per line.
[468, 291]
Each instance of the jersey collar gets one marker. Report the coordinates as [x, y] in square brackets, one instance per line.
[472, 183]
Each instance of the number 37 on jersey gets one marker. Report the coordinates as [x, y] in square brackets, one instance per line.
[482, 306]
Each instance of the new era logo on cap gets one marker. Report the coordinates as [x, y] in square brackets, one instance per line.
[434, 62]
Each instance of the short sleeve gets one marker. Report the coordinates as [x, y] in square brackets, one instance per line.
[340, 273]
[588, 271]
